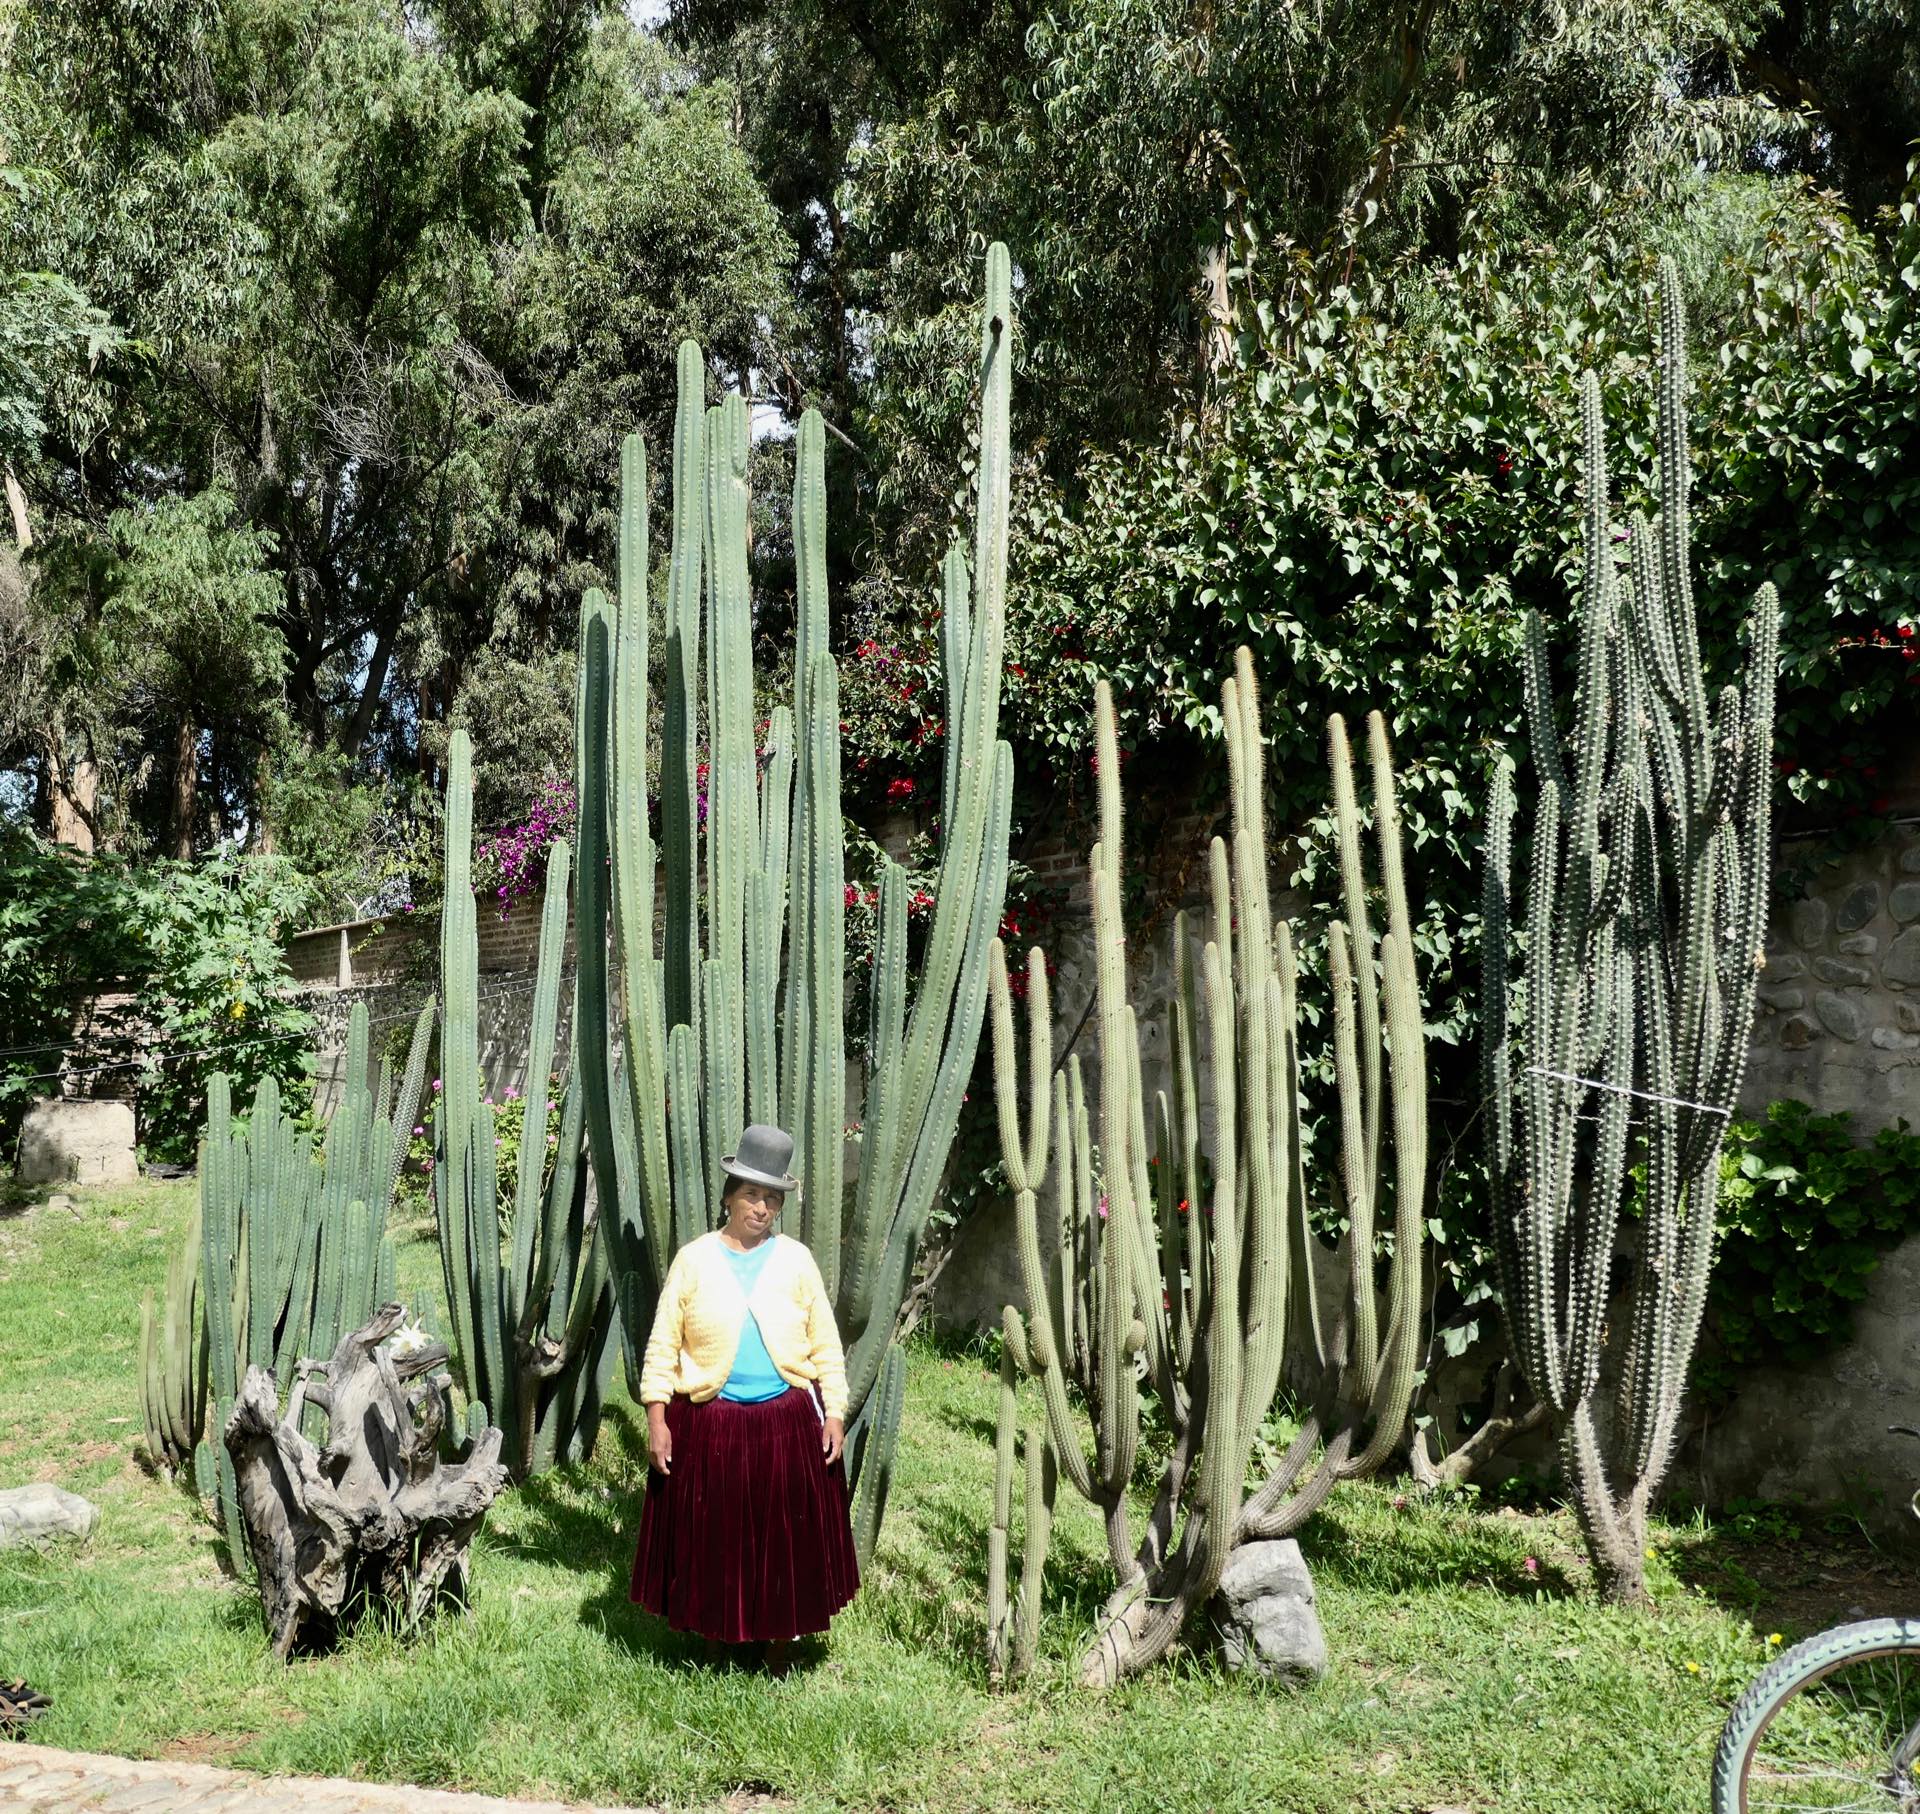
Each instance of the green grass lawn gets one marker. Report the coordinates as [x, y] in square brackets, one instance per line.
[1460, 1680]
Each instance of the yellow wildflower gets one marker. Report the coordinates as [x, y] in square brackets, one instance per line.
[1773, 1637]
[1693, 1669]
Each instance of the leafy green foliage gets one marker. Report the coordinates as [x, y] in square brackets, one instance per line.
[195, 949]
[63, 927]
[1806, 1215]
[393, 285]
[1385, 484]
[217, 996]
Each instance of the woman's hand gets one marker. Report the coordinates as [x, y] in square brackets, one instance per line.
[833, 1438]
[659, 1439]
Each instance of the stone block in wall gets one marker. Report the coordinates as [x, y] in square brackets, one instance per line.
[1841, 1015]
[1807, 920]
[64, 1141]
[1857, 907]
[1816, 1434]
[1902, 962]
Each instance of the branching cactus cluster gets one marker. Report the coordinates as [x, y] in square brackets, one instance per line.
[533, 1313]
[1181, 1248]
[1643, 908]
[284, 1256]
[730, 986]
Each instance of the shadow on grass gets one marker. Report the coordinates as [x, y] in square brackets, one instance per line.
[969, 1424]
[1429, 1551]
[1800, 1585]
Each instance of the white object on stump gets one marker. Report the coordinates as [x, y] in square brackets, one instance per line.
[65, 1141]
[1264, 1616]
[376, 1515]
[40, 1511]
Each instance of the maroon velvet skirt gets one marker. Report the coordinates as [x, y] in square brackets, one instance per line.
[749, 1538]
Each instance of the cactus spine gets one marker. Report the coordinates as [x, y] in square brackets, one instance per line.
[1644, 912]
[737, 1013]
[284, 1256]
[532, 1314]
[1207, 1301]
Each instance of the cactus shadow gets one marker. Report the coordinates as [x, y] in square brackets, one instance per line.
[973, 1424]
[1469, 1550]
[1077, 1583]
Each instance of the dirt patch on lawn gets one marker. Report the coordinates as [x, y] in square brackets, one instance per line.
[203, 1748]
[1799, 1585]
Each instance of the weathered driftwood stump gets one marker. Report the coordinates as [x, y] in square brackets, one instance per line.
[375, 1517]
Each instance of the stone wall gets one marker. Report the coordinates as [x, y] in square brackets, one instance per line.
[392, 965]
[1839, 1018]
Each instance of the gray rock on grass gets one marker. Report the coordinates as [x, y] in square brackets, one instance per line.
[40, 1512]
[1264, 1615]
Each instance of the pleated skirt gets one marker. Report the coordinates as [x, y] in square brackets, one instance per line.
[749, 1539]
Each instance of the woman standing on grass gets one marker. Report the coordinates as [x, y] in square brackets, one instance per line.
[745, 1536]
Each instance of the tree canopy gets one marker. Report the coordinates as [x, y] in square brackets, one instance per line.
[391, 287]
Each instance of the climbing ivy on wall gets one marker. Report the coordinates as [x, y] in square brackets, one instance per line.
[1807, 1214]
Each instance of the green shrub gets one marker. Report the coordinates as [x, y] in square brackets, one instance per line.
[1806, 1214]
[414, 1193]
[217, 994]
[194, 949]
[64, 930]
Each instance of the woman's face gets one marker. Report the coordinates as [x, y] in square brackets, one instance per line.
[751, 1209]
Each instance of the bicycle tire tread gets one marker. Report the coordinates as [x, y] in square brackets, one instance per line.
[1783, 1678]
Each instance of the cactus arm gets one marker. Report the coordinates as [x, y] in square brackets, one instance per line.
[459, 1063]
[680, 733]
[955, 640]
[538, 1106]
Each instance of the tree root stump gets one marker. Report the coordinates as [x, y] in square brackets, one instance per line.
[375, 1518]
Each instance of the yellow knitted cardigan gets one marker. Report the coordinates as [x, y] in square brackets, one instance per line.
[696, 1328]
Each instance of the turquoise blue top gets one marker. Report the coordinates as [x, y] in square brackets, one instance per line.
[754, 1378]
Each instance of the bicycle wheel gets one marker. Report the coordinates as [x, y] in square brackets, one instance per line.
[1832, 1725]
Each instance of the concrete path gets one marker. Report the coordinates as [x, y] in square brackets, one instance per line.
[68, 1782]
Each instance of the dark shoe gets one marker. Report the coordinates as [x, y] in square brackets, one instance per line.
[18, 1704]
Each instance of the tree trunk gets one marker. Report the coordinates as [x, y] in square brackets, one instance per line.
[186, 785]
[361, 723]
[264, 842]
[376, 1516]
[17, 505]
[70, 796]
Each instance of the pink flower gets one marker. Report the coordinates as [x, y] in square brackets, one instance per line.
[417, 1132]
[1103, 1209]
[900, 788]
[1531, 1566]
[1399, 1502]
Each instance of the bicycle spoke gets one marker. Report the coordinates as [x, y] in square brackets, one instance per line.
[1839, 1744]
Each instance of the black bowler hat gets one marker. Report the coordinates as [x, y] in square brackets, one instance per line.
[764, 1155]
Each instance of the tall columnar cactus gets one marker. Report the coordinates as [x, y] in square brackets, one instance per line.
[1644, 913]
[285, 1254]
[532, 1313]
[1182, 1252]
[732, 987]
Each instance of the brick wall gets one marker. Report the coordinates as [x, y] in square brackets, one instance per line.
[392, 965]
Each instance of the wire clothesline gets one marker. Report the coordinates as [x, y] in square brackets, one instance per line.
[1621, 1089]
